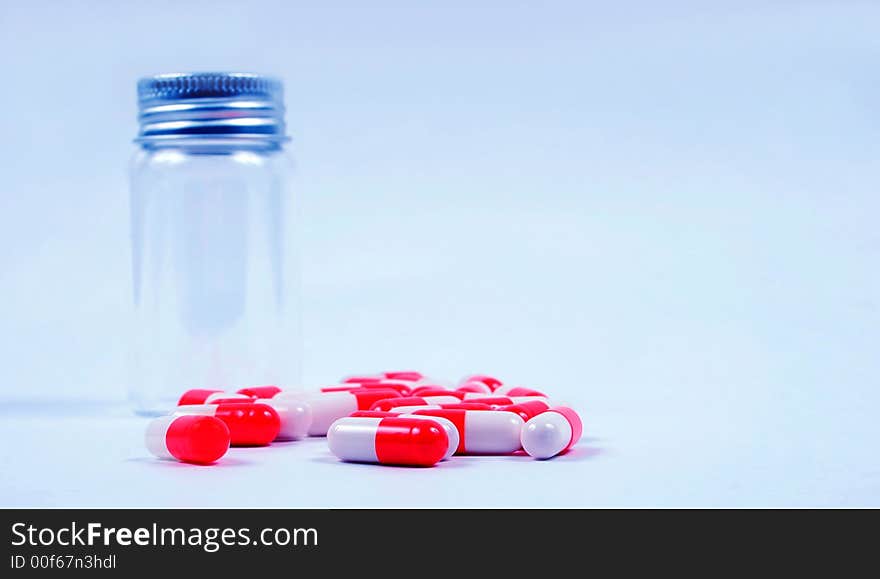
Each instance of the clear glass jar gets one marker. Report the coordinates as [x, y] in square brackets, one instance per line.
[213, 225]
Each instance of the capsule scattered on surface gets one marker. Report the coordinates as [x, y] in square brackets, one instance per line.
[451, 430]
[195, 439]
[552, 432]
[249, 423]
[482, 431]
[390, 440]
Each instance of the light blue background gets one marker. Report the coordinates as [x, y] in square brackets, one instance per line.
[664, 212]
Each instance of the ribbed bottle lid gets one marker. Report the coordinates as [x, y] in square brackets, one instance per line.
[210, 105]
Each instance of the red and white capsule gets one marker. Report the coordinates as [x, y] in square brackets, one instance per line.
[390, 440]
[195, 439]
[249, 424]
[482, 431]
[294, 415]
[328, 407]
[552, 432]
[205, 396]
[451, 430]
[390, 403]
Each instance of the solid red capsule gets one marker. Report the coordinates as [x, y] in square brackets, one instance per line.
[388, 440]
[195, 439]
[260, 391]
[249, 423]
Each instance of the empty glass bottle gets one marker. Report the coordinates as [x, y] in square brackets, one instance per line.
[213, 226]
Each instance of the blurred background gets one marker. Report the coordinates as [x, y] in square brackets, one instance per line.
[668, 207]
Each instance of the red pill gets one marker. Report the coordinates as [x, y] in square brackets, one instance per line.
[250, 424]
[391, 440]
[260, 391]
[195, 439]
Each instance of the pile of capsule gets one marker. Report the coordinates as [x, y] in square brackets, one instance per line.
[393, 418]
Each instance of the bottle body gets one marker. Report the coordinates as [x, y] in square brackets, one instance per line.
[214, 269]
